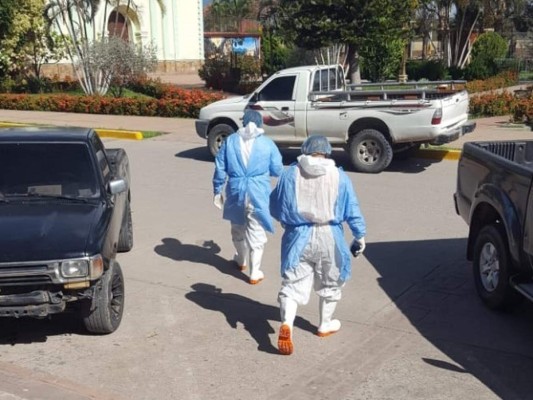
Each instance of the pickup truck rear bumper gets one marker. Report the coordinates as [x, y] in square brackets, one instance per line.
[201, 126]
[455, 134]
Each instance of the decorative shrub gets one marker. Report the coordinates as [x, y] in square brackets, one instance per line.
[502, 80]
[175, 103]
[488, 47]
[432, 70]
[215, 71]
[237, 76]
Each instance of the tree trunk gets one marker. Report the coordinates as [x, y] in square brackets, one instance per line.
[354, 66]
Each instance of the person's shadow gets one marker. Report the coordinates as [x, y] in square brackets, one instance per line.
[254, 316]
[205, 254]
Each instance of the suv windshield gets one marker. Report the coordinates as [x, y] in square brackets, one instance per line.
[48, 169]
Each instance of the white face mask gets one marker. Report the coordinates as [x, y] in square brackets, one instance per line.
[315, 166]
[250, 131]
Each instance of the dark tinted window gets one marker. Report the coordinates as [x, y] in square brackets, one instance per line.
[47, 168]
[279, 89]
[101, 157]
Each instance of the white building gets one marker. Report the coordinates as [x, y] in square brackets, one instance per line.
[177, 31]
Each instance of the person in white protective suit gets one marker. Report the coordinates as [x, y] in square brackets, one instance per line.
[312, 199]
[246, 161]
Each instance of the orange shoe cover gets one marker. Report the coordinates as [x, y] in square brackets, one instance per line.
[284, 340]
[255, 281]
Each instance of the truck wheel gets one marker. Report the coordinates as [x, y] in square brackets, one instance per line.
[405, 150]
[370, 151]
[492, 269]
[107, 305]
[125, 238]
[216, 137]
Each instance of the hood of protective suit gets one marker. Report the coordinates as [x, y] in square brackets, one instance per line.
[250, 131]
[315, 166]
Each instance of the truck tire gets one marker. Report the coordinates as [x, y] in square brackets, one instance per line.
[370, 151]
[107, 306]
[125, 238]
[492, 269]
[216, 137]
[404, 151]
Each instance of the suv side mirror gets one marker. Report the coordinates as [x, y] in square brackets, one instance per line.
[118, 186]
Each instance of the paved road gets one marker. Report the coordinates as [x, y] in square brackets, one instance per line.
[494, 128]
[194, 329]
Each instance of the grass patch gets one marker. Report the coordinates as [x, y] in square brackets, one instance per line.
[151, 134]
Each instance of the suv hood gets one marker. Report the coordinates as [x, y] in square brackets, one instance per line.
[40, 231]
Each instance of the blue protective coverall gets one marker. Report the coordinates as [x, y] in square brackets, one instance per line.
[245, 163]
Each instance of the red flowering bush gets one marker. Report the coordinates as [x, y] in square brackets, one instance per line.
[174, 102]
[502, 80]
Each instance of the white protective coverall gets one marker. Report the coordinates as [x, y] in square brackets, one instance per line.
[311, 200]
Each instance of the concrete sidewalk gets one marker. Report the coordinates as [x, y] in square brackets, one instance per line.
[494, 128]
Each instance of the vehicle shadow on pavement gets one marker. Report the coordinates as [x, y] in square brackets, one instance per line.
[431, 283]
[238, 309]
[30, 330]
[205, 254]
[342, 159]
[198, 154]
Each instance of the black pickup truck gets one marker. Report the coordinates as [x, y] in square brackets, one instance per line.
[495, 197]
[64, 215]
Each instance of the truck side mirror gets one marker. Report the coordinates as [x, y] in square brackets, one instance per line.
[118, 186]
[254, 98]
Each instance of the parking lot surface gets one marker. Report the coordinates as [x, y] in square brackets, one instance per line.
[193, 328]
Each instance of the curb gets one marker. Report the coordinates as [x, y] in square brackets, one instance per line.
[107, 133]
[449, 154]
[436, 154]
[118, 134]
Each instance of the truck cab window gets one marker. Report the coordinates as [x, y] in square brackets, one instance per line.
[279, 89]
[326, 80]
[101, 157]
[104, 166]
[47, 168]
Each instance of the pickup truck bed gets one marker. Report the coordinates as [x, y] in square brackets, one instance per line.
[494, 197]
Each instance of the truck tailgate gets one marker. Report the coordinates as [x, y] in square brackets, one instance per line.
[455, 108]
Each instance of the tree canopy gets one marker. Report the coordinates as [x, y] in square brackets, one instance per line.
[313, 24]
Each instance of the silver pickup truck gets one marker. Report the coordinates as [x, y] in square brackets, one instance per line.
[372, 122]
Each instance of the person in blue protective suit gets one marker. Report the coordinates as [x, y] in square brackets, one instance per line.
[244, 165]
[312, 199]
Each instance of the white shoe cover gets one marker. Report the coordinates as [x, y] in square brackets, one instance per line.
[242, 254]
[256, 274]
[257, 277]
[329, 328]
[288, 308]
[328, 325]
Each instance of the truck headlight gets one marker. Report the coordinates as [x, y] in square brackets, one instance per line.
[75, 268]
